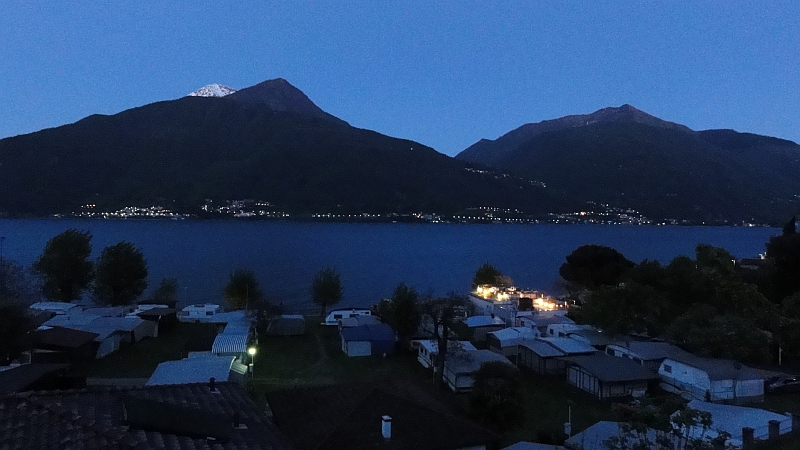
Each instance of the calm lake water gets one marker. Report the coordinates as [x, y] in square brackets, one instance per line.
[372, 258]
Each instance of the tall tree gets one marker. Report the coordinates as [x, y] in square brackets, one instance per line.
[592, 266]
[494, 398]
[402, 312]
[121, 275]
[64, 266]
[440, 314]
[784, 250]
[166, 293]
[242, 290]
[326, 288]
[14, 323]
[15, 285]
[489, 274]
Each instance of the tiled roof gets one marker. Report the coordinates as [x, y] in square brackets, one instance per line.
[95, 417]
[22, 377]
[349, 417]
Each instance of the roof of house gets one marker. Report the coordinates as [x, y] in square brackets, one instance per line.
[648, 351]
[542, 348]
[718, 369]
[20, 378]
[513, 336]
[593, 337]
[525, 445]
[593, 437]
[164, 417]
[470, 361]
[230, 343]
[377, 332]
[349, 416]
[569, 346]
[732, 419]
[541, 320]
[61, 338]
[433, 347]
[609, 368]
[483, 321]
[192, 370]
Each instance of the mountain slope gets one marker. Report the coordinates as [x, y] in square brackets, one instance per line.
[629, 159]
[178, 153]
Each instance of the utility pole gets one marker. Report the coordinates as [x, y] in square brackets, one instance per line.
[2, 269]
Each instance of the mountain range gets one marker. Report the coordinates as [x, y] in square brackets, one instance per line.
[627, 158]
[272, 143]
[268, 142]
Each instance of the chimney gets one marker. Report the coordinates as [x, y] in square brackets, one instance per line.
[748, 437]
[212, 384]
[386, 427]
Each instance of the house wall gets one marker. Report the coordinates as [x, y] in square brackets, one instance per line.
[479, 333]
[578, 377]
[356, 348]
[546, 366]
[691, 382]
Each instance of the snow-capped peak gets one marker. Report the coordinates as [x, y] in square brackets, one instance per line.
[213, 90]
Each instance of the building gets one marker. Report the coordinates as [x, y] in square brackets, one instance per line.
[459, 372]
[192, 416]
[428, 350]
[355, 417]
[545, 355]
[199, 368]
[713, 380]
[479, 326]
[607, 377]
[365, 340]
[505, 341]
[647, 353]
[734, 419]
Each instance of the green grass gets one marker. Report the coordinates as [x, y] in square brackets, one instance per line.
[141, 359]
[316, 359]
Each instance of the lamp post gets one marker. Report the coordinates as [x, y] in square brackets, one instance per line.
[252, 352]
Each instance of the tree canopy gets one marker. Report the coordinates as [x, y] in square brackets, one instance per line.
[64, 265]
[592, 266]
[439, 314]
[326, 288]
[121, 275]
[242, 289]
[494, 398]
[166, 293]
[489, 274]
[402, 312]
[14, 323]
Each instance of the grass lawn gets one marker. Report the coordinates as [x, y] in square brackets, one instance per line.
[141, 359]
[316, 359]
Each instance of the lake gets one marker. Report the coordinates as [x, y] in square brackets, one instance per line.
[372, 258]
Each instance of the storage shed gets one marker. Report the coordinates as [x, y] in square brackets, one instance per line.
[608, 377]
[715, 380]
[368, 340]
[480, 325]
[541, 357]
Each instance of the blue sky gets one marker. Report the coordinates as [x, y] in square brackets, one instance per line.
[444, 73]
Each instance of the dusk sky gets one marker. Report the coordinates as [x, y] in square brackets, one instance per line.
[443, 73]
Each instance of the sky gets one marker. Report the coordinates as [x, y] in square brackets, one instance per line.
[442, 73]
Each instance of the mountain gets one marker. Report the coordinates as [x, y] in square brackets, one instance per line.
[212, 90]
[268, 142]
[629, 159]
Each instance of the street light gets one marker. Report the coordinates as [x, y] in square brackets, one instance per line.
[252, 352]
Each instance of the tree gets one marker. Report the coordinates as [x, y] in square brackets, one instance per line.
[242, 289]
[665, 426]
[166, 293]
[326, 288]
[592, 266]
[402, 311]
[488, 274]
[440, 314]
[64, 265]
[14, 284]
[494, 398]
[784, 250]
[14, 323]
[121, 275]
